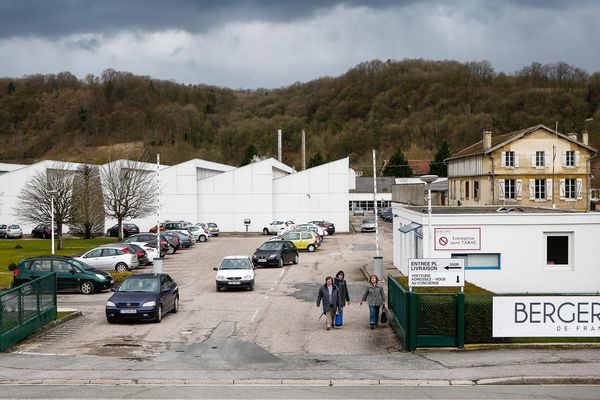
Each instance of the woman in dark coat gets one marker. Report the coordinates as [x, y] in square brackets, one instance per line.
[330, 297]
[340, 283]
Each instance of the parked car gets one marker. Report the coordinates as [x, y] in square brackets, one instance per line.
[199, 233]
[12, 231]
[141, 254]
[151, 250]
[313, 227]
[275, 226]
[71, 274]
[169, 226]
[235, 272]
[168, 244]
[303, 240]
[276, 252]
[328, 226]
[143, 297]
[128, 230]
[388, 215]
[43, 231]
[213, 228]
[359, 211]
[368, 225]
[113, 257]
[179, 238]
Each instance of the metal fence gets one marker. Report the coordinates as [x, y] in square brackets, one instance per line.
[26, 308]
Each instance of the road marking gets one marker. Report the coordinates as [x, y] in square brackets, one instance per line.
[254, 315]
[281, 274]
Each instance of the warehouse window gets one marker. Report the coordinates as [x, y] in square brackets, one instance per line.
[480, 260]
[559, 249]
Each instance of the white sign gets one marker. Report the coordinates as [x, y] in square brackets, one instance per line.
[546, 316]
[436, 272]
[457, 238]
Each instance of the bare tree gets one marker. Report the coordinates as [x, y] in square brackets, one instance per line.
[129, 191]
[35, 199]
[88, 204]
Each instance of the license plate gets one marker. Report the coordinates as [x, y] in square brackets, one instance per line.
[263, 260]
[234, 283]
[128, 311]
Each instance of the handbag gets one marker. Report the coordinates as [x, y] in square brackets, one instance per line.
[338, 319]
[383, 318]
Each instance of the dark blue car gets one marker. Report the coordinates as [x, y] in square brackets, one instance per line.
[143, 297]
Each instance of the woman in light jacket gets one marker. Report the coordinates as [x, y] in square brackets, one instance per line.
[330, 296]
[375, 298]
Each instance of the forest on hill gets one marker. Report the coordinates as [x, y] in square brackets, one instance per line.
[411, 105]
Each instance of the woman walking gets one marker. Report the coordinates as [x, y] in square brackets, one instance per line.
[340, 283]
[375, 298]
[330, 296]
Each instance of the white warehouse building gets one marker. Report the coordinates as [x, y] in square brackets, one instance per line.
[203, 191]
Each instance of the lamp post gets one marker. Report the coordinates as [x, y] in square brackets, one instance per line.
[52, 192]
[428, 179]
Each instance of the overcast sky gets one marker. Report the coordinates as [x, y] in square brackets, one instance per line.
[274, 43]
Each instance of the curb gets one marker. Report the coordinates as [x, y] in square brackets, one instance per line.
[49, 326]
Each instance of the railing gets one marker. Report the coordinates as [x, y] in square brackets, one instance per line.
[26, 308]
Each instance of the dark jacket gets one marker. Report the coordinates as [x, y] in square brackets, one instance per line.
[324, 296]
[374, 295]
[343, 289]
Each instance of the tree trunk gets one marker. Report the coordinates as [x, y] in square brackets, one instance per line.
[88, 231]
[120, 223]
[58, 235]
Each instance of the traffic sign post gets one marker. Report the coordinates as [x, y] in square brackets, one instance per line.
[436, 272]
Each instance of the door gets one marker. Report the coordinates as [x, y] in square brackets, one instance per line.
[294, 237]
[93, 258]
[109, 258]
[289, 252]
[307, 239]
[66, 275]
[167, 293]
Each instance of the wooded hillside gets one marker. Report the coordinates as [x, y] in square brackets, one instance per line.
[411, 104]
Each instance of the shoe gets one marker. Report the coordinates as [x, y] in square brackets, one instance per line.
[328, 327]
[372, 326]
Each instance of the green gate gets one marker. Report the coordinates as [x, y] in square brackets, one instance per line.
[26, 308]
[426, 320]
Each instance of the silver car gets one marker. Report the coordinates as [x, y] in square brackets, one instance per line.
[12, 231]
[110, 258]
[368, 225]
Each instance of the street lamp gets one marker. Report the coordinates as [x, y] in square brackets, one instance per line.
[428, 179]
[52, 192]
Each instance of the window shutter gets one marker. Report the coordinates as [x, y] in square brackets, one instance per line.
[562, 189]
[516, 160]
[549, 189]
[564, 158]
[533, 159]
[579, 187]
[577, 157]
[500, 189]
[546, 159]
[519, 189]
[503, 159]
[532, 189]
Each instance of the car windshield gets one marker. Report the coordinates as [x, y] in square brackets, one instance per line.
[14, 227]
[193, 228]
[232, 263]
[139, 285]
[368, 221]
[212, 225]
[271, 246]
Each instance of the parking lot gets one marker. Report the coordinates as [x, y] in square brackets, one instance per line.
[280, 316]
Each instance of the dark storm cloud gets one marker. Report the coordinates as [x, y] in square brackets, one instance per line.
[41, 18]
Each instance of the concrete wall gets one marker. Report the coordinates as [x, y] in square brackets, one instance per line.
[520, 240]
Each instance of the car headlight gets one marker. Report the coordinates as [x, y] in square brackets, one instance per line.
[221, 278]
[101, 277]
[247, 276]
[110, 304]
[254, 257]
[149, 304]
[272, 256]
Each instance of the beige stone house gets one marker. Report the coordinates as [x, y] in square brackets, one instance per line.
[536, 166]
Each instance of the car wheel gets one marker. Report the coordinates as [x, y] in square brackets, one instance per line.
[5, 236]
[46, 236]
[311, 248]
[171, 250]
[121, 267]
[251, 288]
[158, 316]
[218, 287]
[111, 320]
[280, 263]
[296, 259]
[265, 231]
[86, 287]
[202, 238]
[176, 305]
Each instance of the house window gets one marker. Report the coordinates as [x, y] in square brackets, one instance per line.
[509, 189]
[509, 159]
[569, 158]
[480, 261]
[559, 249]
[467, 190]
[476, 190]
[540, 158]
[570, 188]
[540, 189]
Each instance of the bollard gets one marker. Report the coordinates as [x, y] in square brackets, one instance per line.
[157, 265]
[378, 267]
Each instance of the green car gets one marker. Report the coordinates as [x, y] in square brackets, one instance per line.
[70, 274]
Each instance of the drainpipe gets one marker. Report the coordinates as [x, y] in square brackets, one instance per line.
[589, 181]
[493, 176]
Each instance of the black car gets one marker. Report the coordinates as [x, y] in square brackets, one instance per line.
[276, 253]
[143, 297]
[325, 225]
[167, 244]
[128, 230]
[184, 240]
[43, 231]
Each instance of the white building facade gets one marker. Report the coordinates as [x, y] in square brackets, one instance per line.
[505, 251]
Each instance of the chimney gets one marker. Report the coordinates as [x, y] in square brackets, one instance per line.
[572, 135]
[487, 139]
[585, 138]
